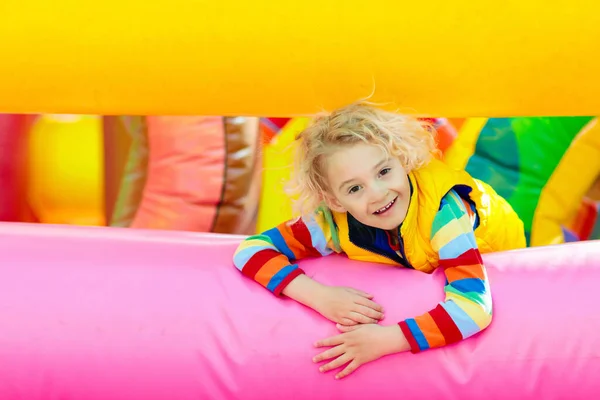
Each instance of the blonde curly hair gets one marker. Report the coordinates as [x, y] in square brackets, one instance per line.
[412, 140]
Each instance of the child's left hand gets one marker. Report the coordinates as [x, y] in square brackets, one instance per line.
[358, 345]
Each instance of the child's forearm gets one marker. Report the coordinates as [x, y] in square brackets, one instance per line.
[304, 290]
[346, 306]
[396, 340]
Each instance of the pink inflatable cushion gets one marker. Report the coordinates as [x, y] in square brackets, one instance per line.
[109, 313]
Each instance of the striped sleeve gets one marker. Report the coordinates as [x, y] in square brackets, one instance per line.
[268, 258]
[467, 308]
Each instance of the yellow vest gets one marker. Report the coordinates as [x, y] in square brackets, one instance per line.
[499, 228]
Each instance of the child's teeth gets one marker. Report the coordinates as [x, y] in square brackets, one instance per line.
[384, 208]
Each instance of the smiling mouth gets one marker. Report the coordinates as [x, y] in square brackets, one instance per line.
[385, 208]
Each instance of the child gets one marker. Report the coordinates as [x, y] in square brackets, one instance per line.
[372, 189]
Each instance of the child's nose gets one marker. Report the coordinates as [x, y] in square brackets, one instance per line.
[378, 192]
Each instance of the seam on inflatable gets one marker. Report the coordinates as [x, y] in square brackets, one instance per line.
[225, 171]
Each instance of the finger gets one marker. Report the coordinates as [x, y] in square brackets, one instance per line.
[327, 354]
[361, 293]
[344, 328]
[330, 341]
[347, 322]
[350, 368]
[361, 319]
[369, 303]
[338, 362]
[369, 312]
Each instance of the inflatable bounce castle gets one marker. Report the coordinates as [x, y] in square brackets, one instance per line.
[126, 289]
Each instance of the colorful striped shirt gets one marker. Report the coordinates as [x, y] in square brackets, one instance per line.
[467, 308]
[270, 259]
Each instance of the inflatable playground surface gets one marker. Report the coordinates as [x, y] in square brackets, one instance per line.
[140, 147]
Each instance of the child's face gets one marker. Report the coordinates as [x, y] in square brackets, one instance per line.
[368, 185]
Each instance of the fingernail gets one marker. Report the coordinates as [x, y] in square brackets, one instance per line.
[321, 369]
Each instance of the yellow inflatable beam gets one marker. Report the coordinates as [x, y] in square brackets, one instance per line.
[459, 58]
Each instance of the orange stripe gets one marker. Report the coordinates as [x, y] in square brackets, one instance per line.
[294, 245]
[269, 269]
[467, 206]
[464, 271]
[470, 211]
[430, 330]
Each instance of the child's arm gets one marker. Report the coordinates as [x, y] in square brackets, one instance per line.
[467, 308]
[268, 259]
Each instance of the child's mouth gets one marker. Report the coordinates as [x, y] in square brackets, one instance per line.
[386, 208]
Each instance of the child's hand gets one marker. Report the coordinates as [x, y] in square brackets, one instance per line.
[347, 306]
[359, 345]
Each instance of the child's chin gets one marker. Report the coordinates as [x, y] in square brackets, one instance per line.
[387, 225]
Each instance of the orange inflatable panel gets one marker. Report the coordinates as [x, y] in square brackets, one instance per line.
[201, 175]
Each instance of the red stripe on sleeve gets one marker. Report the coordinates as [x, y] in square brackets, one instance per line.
[302, 235]
[446, 325]
[414, 347]
[468, 258]
[258, 260]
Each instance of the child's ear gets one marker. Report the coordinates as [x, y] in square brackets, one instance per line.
[333, 203]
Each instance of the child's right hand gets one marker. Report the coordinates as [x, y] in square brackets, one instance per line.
[339, 304]
[347, 306]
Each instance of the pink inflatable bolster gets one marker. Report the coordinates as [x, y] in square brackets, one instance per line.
[110, 313]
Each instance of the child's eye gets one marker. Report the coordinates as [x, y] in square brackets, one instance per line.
[384, 171]
[353, 189]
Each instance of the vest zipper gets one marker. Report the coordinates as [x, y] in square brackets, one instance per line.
[374, 250]
[403, 260]
[406, 263]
